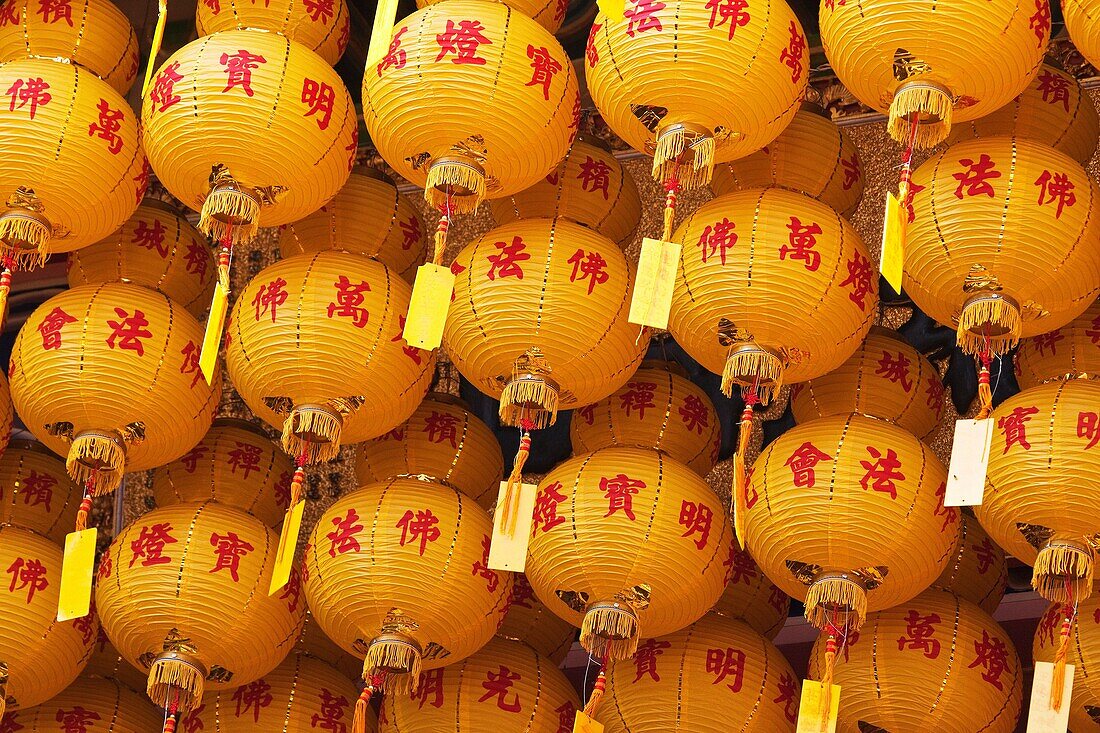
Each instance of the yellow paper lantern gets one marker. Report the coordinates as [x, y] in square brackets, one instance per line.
[109, 376]
[7, 412]
[157, 248]
[73, 168]
[106, 662]
[443, 441]
[812, 156]
[89, 705]
[322, 26]
[314, 643]
[245, 126]
[397, 573]
[94, 34]
[751, 597]
[506, 686]
[978, 569]
[368, 217]
[530, 621]
[625, 542]
[1069, 352]
[548, 13]
[659, 407]
[36, 492]
[1083, 650]
[315, 348]
[236, 464]
[1041, 484]
[471, 100]
[301, 695]
[942, 64]
[846, 513]
[183, 594]
[968, 202]
[714, 676]
[39, 657]
[1054, 110]
[885, 378]
[589, 186]
[937, 662]
[1080, 17]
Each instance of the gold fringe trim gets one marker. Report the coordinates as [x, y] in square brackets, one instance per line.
[752, 367]
[1056, 563]
[97, 450]
[228, 212]
[610, 632]
[322, 425]
[529, 399]
[24, 239]
[978, 315]
[455, 177]
[671, 145]
[171, 677]
[398, 660]
[925, 101]
[835, 593]
[1058, 677]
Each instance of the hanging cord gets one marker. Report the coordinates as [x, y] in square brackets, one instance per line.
[1058, 677]
[442, 229]
[86, 502]
[985, 393]
[510, 510]
[598, 689]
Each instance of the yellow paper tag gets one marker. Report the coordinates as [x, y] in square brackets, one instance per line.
[431, 299]
[892, 260]
[584, 724]
[654, 283]
[77, 570]
[612, 9]
[512, 528]
[288, 543]
[212, 339]
[1041, 717]
[969, 461]
[810, 713]
[384, 16]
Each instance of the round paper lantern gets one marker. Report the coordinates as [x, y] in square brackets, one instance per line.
[397, 572]
[1072, 351]
[538, 318]
[36, 492]
[589, 186]
[937, 662]
[109, 376]
[443, 441]
[368, 217]
[1082, 651]
[938, 65]
[315, 349]
[236, 464]
[73, 168]
[714, 676]
[626, 542]
[812, 156]
[301, 695]
[506, 686]
[972, 198]
[39, 657]
[157, 248]
[89, 705]
[248, 126]
[322, 26]
[751, 597]
[1042, 481]
[530, 621]
[1054, 110]
[106, 662]
[658, 408]
[7, 412]
[846, 513]
[314, 643]
[885, 378]
[1080, 17]
[548, 13]
[471, 100]
[94, 34]
[978, 569]
[183, 594]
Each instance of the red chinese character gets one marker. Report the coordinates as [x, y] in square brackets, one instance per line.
[292, 591]
[29, 574]
[142, 181]
[353, 147]
[546, 508]
[1049, 624]
[1088, 427]
[792, 54]
[163, 93]
[1054, 89]
[421, 525]
[110, 122]
[54, 10]
[544, 67]
[395, 57]
[934, 391]
[645, 659]
[591, 267]
[852, 172]
[1056, 187]
[320, 11]
[506, 262]
[349, 297]
[567, 712]
[190, 460]
[498, 685]
[29, 91]
[802, 463]
[151, 237]
[129, 331]
[643, 16]
[975, 179]
[859, 278]
[734, 11]
[719, 237]
[149, 545]
[1014, 426]
[986, 554]
[1039, 22]
[1094, 332]
[463, 41]
[255, 696]
[595, 175]
[728, 662]
[992, 656]
[895, 369]
[918, 634]
[694, 414]
[75, 719]
[9, 15]
[740, 567]
[781, 602]
[914, 189]
[245, 457]
[1048, 340]
[106, 565]
[10, 723]
[37, 489]
[431, 685]
[697, 517]
[620, 491]
[801, 242]
[238, 69]
[440, 426]
[51, 326]
[410, 231]
[190, 364]
[590, 51]
[786, 696]
[481, 567]
[950, 514]
[883, 471]
[87, 626]
[270, 296]
[320, 97]
[410, 351]
[229, 548]
[522, 592]
[331, 712]
[342, 539]
[638, 396]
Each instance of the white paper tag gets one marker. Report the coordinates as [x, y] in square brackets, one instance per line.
[969, 459]
[1041, 717]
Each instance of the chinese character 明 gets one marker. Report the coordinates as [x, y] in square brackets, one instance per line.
[792, 54]
[697, 517]
[638, 396]
[976, 178]
[463, 41]
[645, 659]
[29, 91]
[718, 237]
[801, 242]
[620, 491]
[859, 278]
[395, 57]
[643, 16]
[255, 696]
[420, 525]
[895, 369]
[499, 685]
[342, 539]
[992, 656]
[51, 326]
[239, 68]
[544, 67]
[330, 712]
[28, 574]
[546, 508]
[728, 662]
[110, 122]
[442, 427]
[270, 296]
[506, 262]
[589, 266]
[431, 686]
[128, 332]
[694, 414]
[349, 298]
[733, 11]
[229, 548]
[882, 473]
[320, 97]
[1014, 426]
[1088, 427]
[918, 634]
[595, 175]
[1056, 187]
[149, 545]
[151, 237]
[802, 463]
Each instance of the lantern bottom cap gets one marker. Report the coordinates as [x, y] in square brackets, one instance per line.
[530, 397]
[24, 238]
[176, 681]
[752, 366]
[396, 660]
[456, 184]
[989, 321]
[833, 599]
[684, 152]
[932, 104]
[1063, 571]
[312, 432]
[610, 630]
[96, 461]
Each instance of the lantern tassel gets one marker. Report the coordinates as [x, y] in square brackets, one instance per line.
[5, 288]
[767, 369]
[25, 236]
[510, 509]
[441, 233]
[455, 173]
[83, 512]
[97, 461]
[228, 213]
[518, 397]
[1058, 677]
[172, 674]
[1059, 565]
[827, 681]
[985, 392]
[671, 146]
[740, 474]
[834, 592]
[914, 100]
[400, 658]
[322, 427]
[596, 697]
[979, 317]
[359, 719]
[610, 631]
[672, 187]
